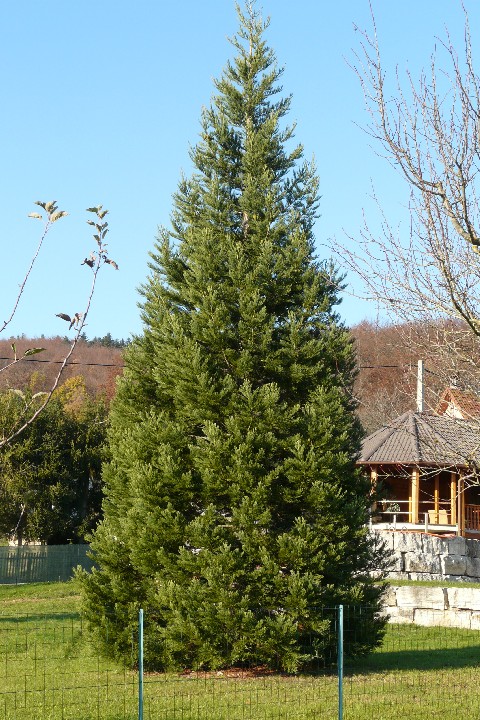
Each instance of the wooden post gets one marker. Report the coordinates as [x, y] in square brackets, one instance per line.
[436, 499]
[373, 482]
[453, 498]
[461, 507]
[414, 496]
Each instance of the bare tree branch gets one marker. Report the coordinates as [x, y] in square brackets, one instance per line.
[429, 130]
[98, 257]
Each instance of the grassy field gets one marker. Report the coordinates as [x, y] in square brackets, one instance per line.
[49, 671]
[433, 583]
[39, 597]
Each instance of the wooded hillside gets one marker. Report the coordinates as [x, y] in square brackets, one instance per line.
[388, 355]
[98, 363]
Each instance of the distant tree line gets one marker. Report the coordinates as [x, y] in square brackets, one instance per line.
[106, 341]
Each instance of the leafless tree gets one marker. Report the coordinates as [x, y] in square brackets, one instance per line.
[428, 129]
[32, 405]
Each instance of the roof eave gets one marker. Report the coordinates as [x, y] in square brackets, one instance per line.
[422, 463]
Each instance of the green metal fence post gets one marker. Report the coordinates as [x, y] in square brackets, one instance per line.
[140, 665]
[340, 662]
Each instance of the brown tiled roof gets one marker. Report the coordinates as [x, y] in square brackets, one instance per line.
[465, 402]
[423, 438]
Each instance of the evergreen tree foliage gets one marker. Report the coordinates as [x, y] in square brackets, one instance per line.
[106, 341]
[234, 512]
[50, 479]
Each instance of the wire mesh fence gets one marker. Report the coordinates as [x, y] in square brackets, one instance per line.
[49, 670]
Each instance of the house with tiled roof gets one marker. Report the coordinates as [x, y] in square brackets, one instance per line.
[425, 468]
[460, 404]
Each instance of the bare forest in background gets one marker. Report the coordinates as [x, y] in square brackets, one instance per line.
[97, 363]
[388, 357]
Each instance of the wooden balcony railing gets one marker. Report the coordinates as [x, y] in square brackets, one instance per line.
[472, 517]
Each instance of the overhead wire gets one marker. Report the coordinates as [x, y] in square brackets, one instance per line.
[59, 362]
[96, 364]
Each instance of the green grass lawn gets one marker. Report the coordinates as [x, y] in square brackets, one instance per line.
[39, 597]
[432, 583]
[49, 671]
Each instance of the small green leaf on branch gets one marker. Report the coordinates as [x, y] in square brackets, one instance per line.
[57, 215]
[111, 262]
[33, 351]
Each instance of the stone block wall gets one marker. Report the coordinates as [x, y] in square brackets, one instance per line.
[418, 556]
[434, 606]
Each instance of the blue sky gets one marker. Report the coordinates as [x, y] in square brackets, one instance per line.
[101, 102]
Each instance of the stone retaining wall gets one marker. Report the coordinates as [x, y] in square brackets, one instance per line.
[434, 606]
[418, 556]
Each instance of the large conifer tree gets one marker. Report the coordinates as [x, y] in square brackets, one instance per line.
[234, 511]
